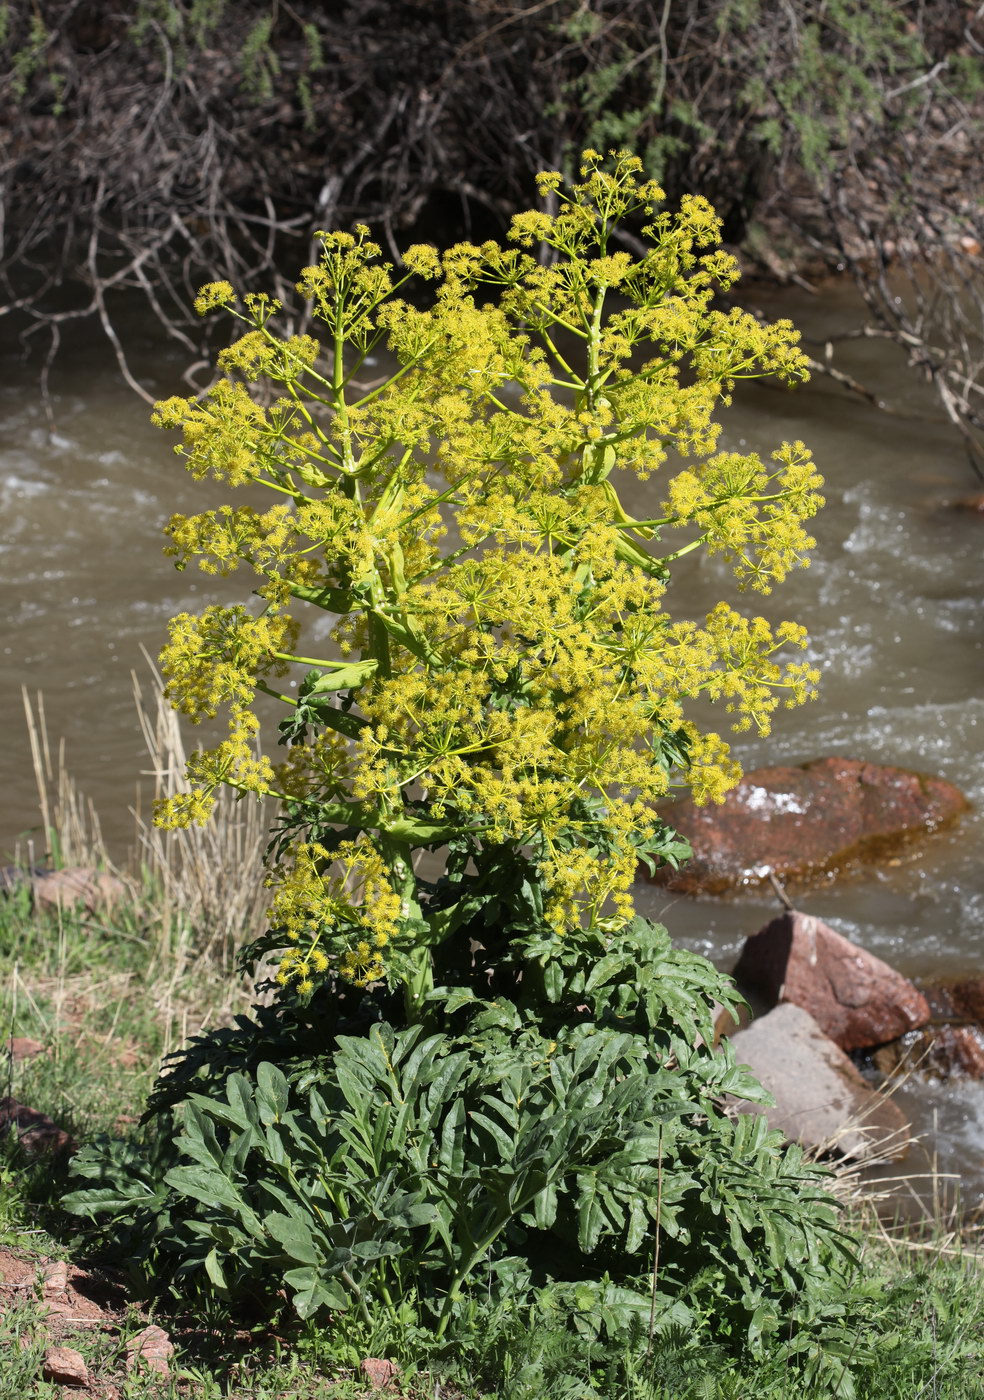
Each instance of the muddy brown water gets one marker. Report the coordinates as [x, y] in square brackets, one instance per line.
[893, 603]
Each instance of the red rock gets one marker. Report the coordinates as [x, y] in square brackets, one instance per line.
[942, 1052]
[67, 1293]
[65, 1366]
[960, 1000]
[805, 823]
[379, 1374]
[95, 890]
[821, 1099]
[54, 1280]
[21, 1047]
[955, 1050]
[855, 998]
[151, 1348]
[38, 1133]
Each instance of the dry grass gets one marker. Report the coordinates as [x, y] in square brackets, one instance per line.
[69, 820]
[202, 889]
[907, 1214]
[108, 994]
[208, 879]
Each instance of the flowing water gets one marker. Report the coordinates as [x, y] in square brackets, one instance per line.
[893, 603]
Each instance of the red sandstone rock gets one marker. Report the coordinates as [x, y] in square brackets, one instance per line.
[821, 1099]
[65, 1366]
[956, 1050]
[95, 890]
[151, 1348]
[54, 1280]
[379, 1374]
[67, 1292]
[804, 823]
[855, 998]
[959, 1000]
[38, 1133]
[941, 1052]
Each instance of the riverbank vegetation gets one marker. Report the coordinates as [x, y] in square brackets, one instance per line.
[102, 1000]
[475, 1122]
[154, 145]
[102, 997]
[459, 1109]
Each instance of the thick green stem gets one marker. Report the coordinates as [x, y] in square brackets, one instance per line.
[462, 1274]
[419, 983]
[594, 349]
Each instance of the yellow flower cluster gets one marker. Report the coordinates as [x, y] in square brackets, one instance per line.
[214, 294]
[753, 515]
[338, 911]
[214, 659]
[235, 762]
[223, 434]
[510, 670]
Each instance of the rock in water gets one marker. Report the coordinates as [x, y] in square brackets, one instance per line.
[958, 999]
[939, 1052]
[855, 998]
[821, 1099]
[805, 823]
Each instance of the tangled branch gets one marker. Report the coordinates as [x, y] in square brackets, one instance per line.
[155, 144]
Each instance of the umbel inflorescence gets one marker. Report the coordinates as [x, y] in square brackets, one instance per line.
[505, 676]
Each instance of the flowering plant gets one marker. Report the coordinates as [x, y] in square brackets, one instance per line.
[503, 679]
[531, 1104]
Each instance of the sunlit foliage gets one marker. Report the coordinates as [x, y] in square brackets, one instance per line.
[505, 666]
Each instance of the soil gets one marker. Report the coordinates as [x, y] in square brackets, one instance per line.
[72, 1302]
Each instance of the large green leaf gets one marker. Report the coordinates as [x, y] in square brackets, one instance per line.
[272, 1093]
[295, 1236]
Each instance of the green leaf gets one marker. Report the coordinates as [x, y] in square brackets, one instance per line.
[295, 1236]
[210, 1188]
[454, 999]
[214, 1270]
[272, 1092]
[111, 1200]
[312, 1292]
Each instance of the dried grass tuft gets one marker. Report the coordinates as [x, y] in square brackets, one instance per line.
[203, 887]
[69, 820]
[208, 881]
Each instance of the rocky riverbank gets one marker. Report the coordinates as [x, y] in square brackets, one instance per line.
[835, 1028]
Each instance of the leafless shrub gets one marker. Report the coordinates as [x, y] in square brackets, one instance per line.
[154, 145]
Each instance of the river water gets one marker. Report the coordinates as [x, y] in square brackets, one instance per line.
[893, 603]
